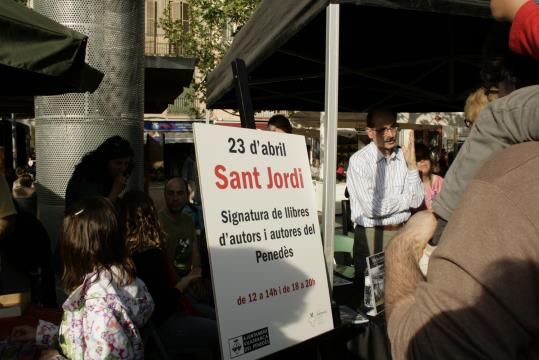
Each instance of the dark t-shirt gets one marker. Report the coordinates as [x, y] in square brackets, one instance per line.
[79, 189]
[155, 270]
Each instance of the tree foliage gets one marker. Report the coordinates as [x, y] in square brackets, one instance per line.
[212, 24]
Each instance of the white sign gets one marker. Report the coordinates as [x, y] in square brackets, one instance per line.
[267, 263]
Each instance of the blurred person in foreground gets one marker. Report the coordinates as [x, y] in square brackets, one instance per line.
[479, 300]
[506, 121]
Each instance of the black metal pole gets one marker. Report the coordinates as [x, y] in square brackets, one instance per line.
[243, 95]
[155, 29]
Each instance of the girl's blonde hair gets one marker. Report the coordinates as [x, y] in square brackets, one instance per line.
[477, 101]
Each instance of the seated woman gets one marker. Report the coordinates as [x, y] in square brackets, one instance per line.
[175, 317]
[107, 303]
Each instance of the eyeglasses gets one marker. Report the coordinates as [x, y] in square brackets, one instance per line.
[392, 129]
[468, 123]
[491, 91]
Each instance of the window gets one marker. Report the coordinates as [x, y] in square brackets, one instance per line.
[176, 11]
[151, 20]
[179, 11]
[185, 16]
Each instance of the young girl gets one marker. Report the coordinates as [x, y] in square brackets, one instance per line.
[107, 303]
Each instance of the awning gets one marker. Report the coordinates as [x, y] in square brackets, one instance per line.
[260, 125]
[164, 80]
[414, 56]
[38, 56]
[345, 120]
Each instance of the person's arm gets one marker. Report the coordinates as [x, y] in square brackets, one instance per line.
[401, 258]
[414, 186]
[505, 10]
[118, 185]
[196, 260]
[524, 35]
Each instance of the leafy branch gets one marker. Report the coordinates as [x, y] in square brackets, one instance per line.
[212, 25]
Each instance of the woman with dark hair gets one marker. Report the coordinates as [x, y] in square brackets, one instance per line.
[432, 183]
[107, 302]
[279, 123]
[174, 317]
[102, 172]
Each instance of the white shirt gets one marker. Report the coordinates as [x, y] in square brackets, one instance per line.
[382, 190]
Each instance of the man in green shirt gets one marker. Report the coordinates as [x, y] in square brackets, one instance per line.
[182, 247]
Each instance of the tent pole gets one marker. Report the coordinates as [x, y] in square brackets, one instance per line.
[330, 137]
[243, 95]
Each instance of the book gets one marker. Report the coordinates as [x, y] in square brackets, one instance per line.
[374, 283]
[340, 281]
[350, 316]
[12, 305]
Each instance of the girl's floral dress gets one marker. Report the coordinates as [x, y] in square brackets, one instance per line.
[101, 320]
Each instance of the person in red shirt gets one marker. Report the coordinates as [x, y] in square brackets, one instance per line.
[524, 36]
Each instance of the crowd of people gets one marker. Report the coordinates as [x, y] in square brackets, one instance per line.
[126, 267]
[461, 253]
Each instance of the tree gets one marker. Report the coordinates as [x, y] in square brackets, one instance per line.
[24, 2]
[212, 25]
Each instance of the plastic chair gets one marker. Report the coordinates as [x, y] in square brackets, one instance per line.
[154, 348]
[347, 225]
[343, 254]
[149, 333]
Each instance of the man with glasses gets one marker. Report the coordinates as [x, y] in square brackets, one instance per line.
[383, 183]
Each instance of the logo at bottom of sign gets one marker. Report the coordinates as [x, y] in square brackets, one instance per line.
[248, 342]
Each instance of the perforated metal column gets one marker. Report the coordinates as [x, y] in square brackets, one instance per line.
[70, 125]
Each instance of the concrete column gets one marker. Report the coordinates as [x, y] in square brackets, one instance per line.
[70, 125]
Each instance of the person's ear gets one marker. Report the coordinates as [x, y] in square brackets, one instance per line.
[371, 133]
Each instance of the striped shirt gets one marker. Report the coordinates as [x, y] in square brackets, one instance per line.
[382, 191]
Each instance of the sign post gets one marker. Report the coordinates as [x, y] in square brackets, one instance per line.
[268, 270]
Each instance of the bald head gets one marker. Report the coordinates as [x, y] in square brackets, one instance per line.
[176, 194]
